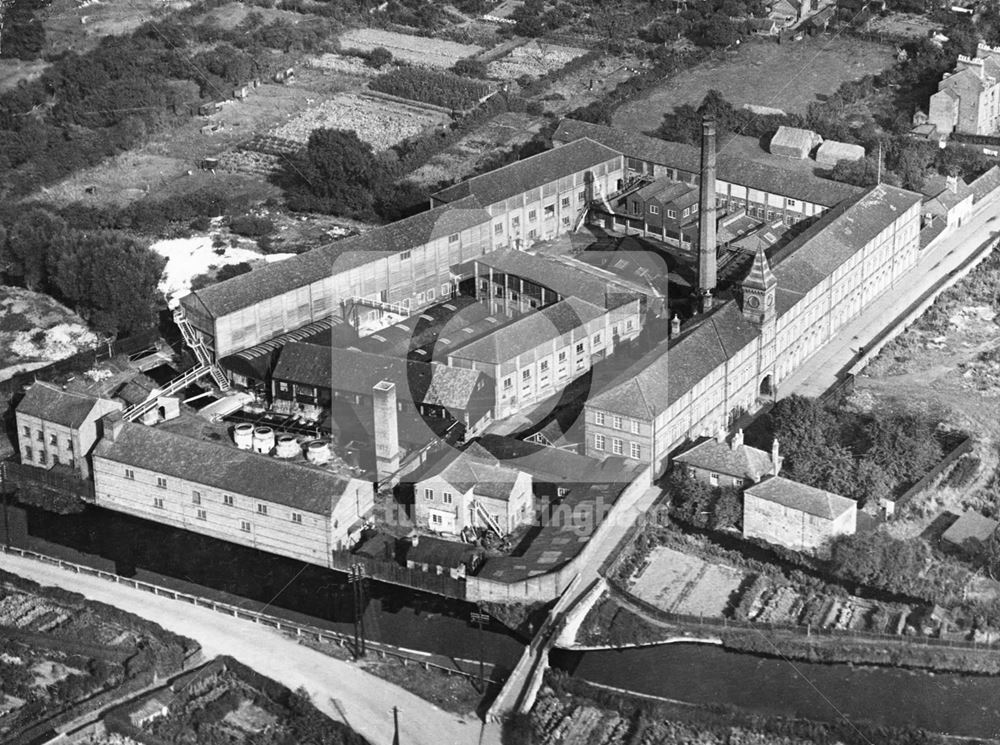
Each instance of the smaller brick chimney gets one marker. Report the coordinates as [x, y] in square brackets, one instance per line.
[737, 441]
[775, 458]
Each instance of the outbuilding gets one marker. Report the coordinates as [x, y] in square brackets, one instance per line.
[792, 142]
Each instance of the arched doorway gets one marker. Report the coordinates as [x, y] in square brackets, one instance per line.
[766, 388]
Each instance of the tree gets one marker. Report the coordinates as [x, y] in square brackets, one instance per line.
[29, 245]
[728, 508]
[717, 31]
[801, 426]
[379, 57]
[691, 499]
[871, 482]
[337, 173]
[863, 172]
[904, 445]
[470, 68]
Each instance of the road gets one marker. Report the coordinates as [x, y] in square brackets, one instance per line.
[366, 701]
[819, 372]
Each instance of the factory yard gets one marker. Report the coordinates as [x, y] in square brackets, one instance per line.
[417, 50]
[817, 66]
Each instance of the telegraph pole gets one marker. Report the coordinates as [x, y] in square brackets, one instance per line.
[395, 723]
[479, 618]
[357, 581]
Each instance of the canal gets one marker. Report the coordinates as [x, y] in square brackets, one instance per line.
[227, 572]
[705, 674]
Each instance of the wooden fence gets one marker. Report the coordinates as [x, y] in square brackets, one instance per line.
[393, 573]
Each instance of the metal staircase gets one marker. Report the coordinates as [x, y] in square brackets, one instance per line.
[201, 353]
[177, 384]
[493, 524]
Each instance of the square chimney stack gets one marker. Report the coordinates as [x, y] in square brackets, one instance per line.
[707, 258]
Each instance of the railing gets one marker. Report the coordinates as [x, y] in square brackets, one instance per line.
[305, 631]
[393, 573]
[137, 410]
[197, 345]
[399, 310]
[722, 623]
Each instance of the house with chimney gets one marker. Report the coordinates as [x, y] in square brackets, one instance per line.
[665, 209]
[968, 98]
[796, 516]
[718, 462]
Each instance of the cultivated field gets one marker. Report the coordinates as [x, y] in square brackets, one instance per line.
[782, 76]
[343, 65]
[380, 122]
[903, 24]
[417, 50]
[589, 83]
[463, 158]
[682, 583]
[535, 58]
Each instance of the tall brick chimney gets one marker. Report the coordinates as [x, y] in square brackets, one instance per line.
[707, 261]
[386, 429]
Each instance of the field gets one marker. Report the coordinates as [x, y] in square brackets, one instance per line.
[343, 65]
[903, 24]
[589, 83]
[782, 76]
[463, 158]
[534, 59]
[380, 122]
[417, 50]
[71, 25]
[12, 71]
[36, 330]
[682, 583]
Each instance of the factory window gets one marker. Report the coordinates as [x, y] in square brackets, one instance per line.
[296, 517]
[158, 503]
[69, 444]
[562, 356]
[565, 220]
[616, 446]
[599, 418]
[227, 500]
[453, 238]
[27, 431]
[447, 497]
[404, 256]
[579, 348]
[161, 482]
[196, 497]
[599, 442]
[130, 474]
[428, 494]
[581, 197]
[507, 383]
[543, 366]
[565, 201]
[262, 509]
[616, 422]
[597, 338]
[634, 451]
[27, 454]
[40, 436]
[635, 426]
[532, 215]
[53, 440]
[550, 211]
[686, 212]
[526, 374]
[672, 214]
[436, 519]
[790, 202]
[245, 526]
[498, 229]
[654, 210]
[202, 515]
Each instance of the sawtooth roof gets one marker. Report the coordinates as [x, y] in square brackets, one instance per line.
[727, 458]
[529, 331]
[761, 176]
[226, 468]
[52, 404]
[356, 372]
[530, 173]
[800, 497]
[299, 271]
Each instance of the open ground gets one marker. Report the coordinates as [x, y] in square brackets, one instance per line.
[35, 330]
[783, 76]
[79, 26]
[683, 583]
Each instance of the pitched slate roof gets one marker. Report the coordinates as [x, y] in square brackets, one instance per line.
[970, 526]
[527, 332]
[226, 468]
[761, 176]
[665, 190]
[356, 372]
[794, 138]
[728, 458]
[530, 173]
[800, 497]
[299, 271]
[475, 469]
[52, 404]
[670, 370]
[986, 184]
[548, 465]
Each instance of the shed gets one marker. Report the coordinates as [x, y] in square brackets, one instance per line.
[833, 151]
[969, 531]
[792, 142]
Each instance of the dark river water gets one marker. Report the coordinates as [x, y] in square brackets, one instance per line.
[706, 674]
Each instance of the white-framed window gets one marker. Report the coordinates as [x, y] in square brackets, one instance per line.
[161, 482]
[790, 202]
[498, 229]
[202, 515]
[28, 454]
[616, 446]
[404, 256]
[420, 298]
[713, 479]
[158, 502]
[532, 215]
[672, 214]
[598, 442]
[430, 294]
[435, 518]
[196, 497]
[261, 509]
[565, 201]
[635, 426]
[634, 450]
[227, 499]
[130, 474]
[515, 221]
[507, 383]
[453, 238]
[447, 497]
[429, 494]
[581, 197]
[526, 374]
[543, 366]
[562, 356]
[616, 422]
[245, 526]
[579, 348]
[445, 290]
[297, 517]
[561, 491]
[597, 338]
[599, 418]
[654, 210]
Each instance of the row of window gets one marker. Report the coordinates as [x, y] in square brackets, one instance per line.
[617, 422]
[39, 457]
[446, 497]
[618, 446]
[295, 517]
[53, 438]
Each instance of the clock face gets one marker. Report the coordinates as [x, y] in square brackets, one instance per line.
[753, 301]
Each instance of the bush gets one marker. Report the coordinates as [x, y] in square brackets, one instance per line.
[438, 88]
[379, 57]
[251, 226]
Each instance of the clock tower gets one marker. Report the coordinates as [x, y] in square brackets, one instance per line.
[758, 291]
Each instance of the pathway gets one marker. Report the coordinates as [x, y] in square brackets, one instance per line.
[366, 701]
